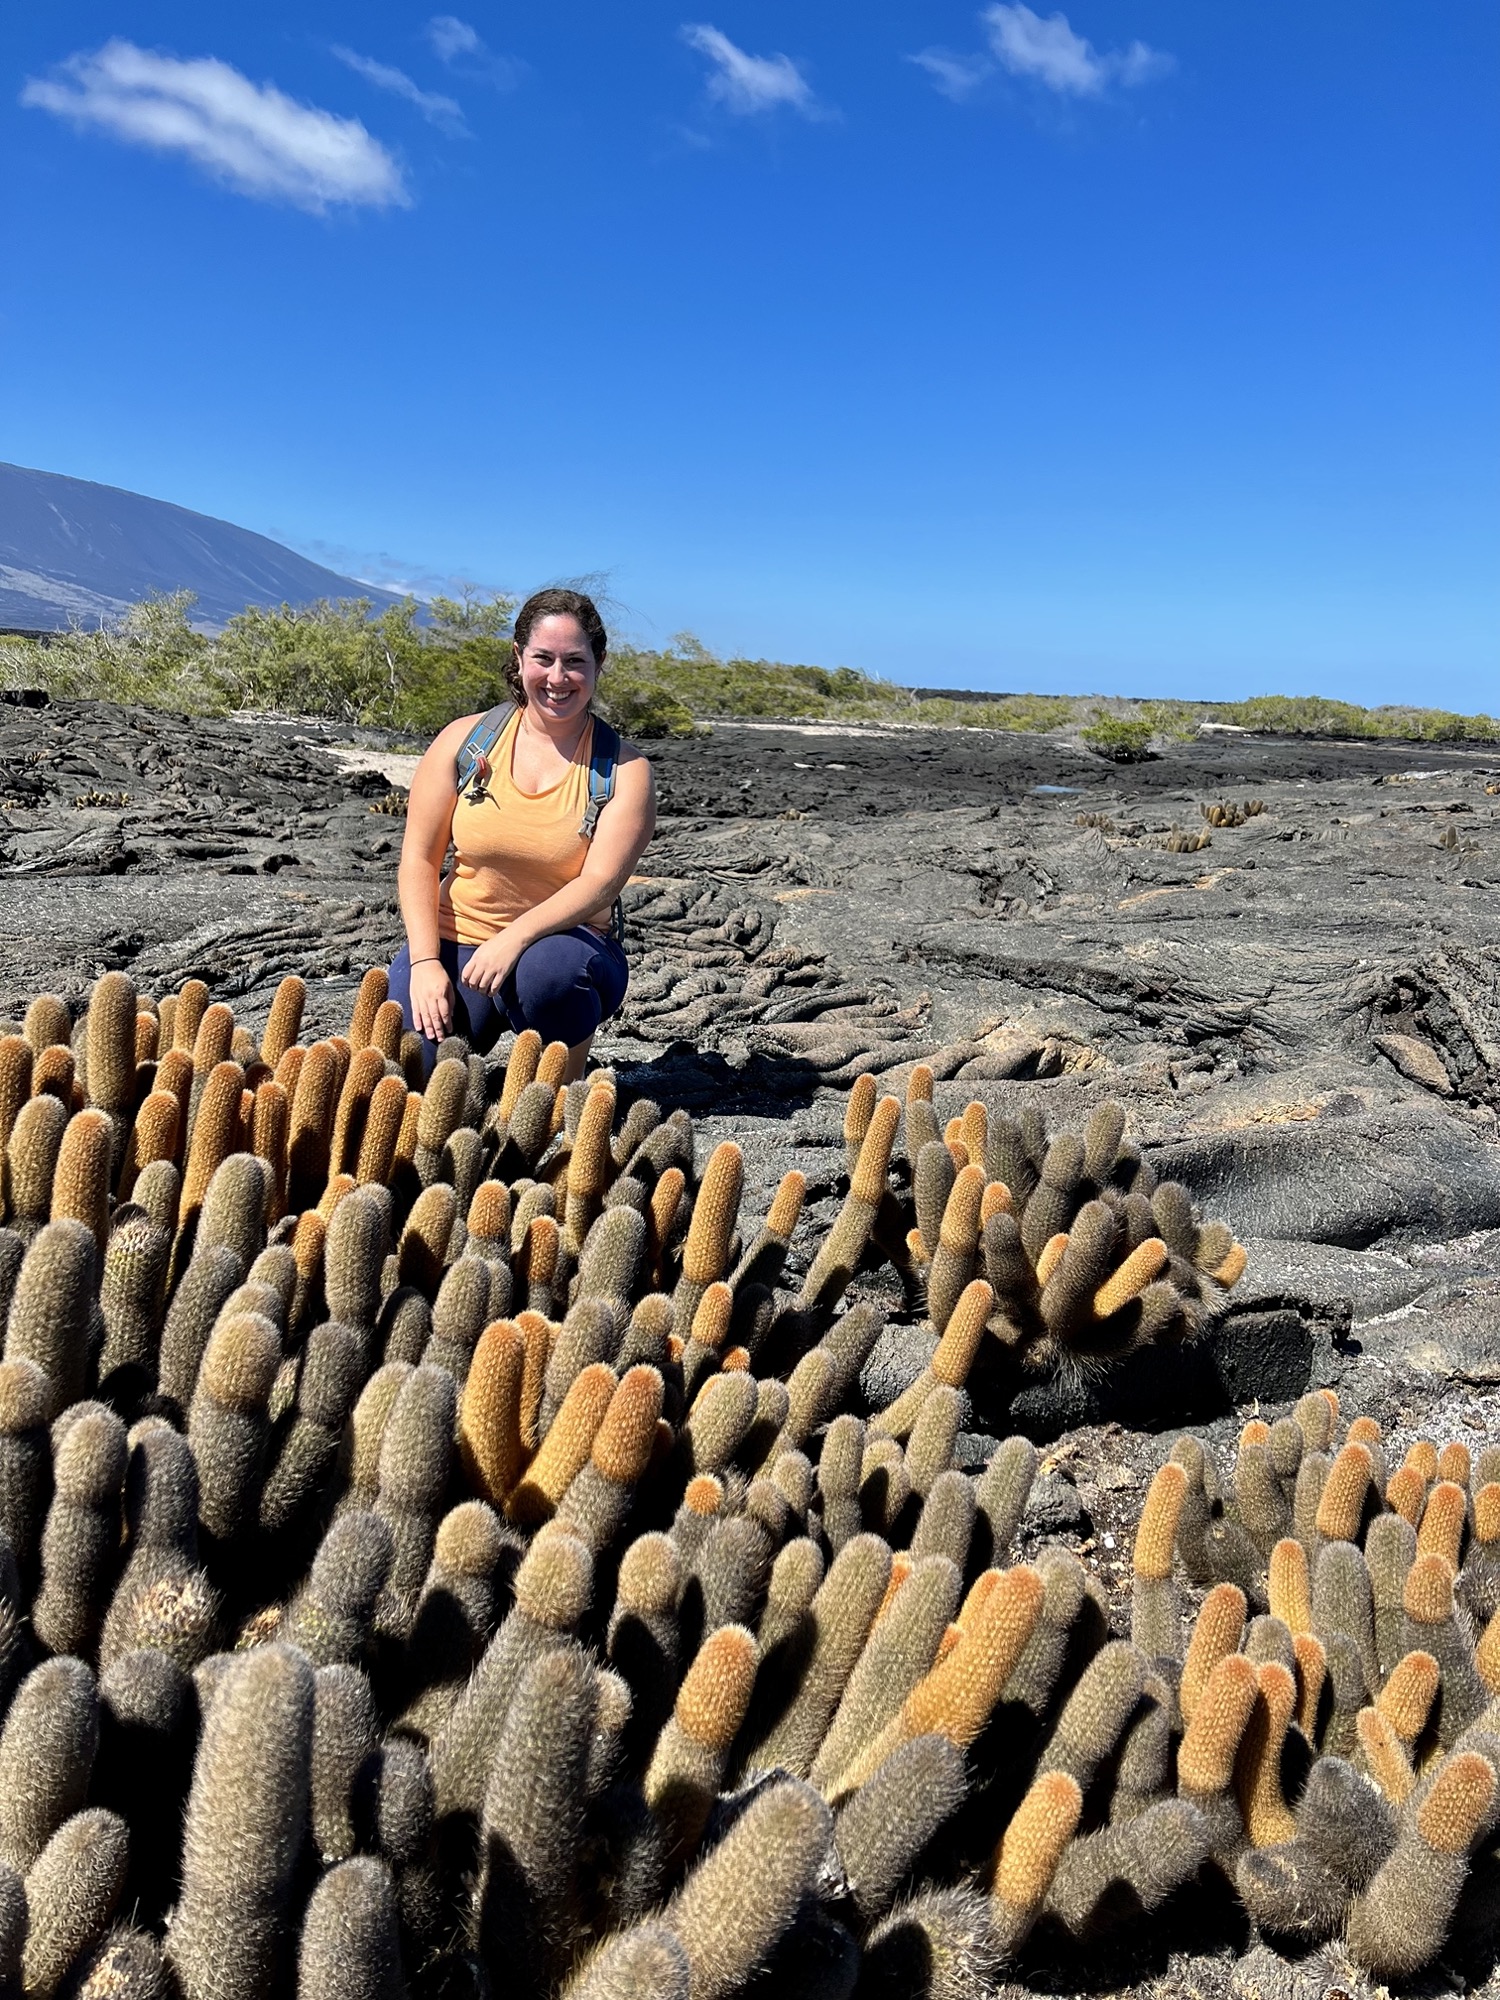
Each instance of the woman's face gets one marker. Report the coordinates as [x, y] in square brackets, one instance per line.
[557, 668]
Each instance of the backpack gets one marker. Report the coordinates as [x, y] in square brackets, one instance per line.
[472, 770]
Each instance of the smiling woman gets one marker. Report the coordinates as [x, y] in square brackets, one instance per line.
[519, 930]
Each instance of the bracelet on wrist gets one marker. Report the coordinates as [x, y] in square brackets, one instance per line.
[434, 958]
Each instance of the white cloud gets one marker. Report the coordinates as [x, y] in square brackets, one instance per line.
[452, 37]
[747, 83]
[251, 136]
[464, 50]
[435, 108]
[1060, 59]
[954, 76]
[1140, 64]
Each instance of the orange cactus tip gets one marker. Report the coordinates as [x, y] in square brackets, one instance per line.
[1405, 1492]
[963, 1334]
[957, 1696]
[1458, 1804]
[1229, 1273]
[1443, 1521]
[996, 1200]
[711, 1321]
[552, 1065]
[868, 1181]
[1205, 1760]
[1455, 1463]
[715, 1691]
[1156, 1533]
[1409, 1692]
[1268, 1819]
[1051, 1256]
[975, 1597]
[1344, 1492]
[1487, 1512]
[1422, 1457]
[1257, 1431]
[308, 1239]
[712, 1220]
[1142, 1267]
[1312, 1671]
[1364, 1430]
[1428, 1598]
[1290, 1590]
[489, 1211]
[919, 1084]
[704, 1494]
[861, 1102]
[960, 1224]
[623, 1442]
[540, 1251]
[1032, 1845]
[786, 1205]
[951, 1637]
[1217, 1631]
[567, 1446]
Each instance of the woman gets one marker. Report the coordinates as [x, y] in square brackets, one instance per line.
[518, 931]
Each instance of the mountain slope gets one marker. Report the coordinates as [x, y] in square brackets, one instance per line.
[72, 551]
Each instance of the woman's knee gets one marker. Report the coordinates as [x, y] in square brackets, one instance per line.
[556, 991]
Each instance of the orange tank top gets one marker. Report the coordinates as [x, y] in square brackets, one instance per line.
[514, 849]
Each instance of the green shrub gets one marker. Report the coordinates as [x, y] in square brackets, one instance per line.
[643, 709]
[1123, 739]
[1177, 719]
[414, 668]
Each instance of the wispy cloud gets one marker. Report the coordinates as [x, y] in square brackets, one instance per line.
[434, 107]
[384, 570]
[463, 49]
[252, 137]
[955, 76]
[452, 37]
[1054, 55]
[746, 84]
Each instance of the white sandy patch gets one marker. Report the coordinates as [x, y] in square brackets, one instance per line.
[396, 765]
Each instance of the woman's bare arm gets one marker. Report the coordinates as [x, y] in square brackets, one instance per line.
[429, 826]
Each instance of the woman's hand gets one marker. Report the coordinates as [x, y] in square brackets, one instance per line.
[493, 962]
[431, 999]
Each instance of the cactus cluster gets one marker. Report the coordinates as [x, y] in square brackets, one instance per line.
[1226, 812]
[1183, 840]
[439, 1557]
[1034, 1252]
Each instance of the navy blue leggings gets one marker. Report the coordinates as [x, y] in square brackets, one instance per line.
[563, 986]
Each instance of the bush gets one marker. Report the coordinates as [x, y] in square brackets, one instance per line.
[643, 709]
[1123, 739]
[415, 667]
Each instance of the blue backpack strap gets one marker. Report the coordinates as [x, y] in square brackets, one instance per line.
[603, 759]
[472, 761]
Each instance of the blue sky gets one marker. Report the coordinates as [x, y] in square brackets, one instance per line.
[1152, 347]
